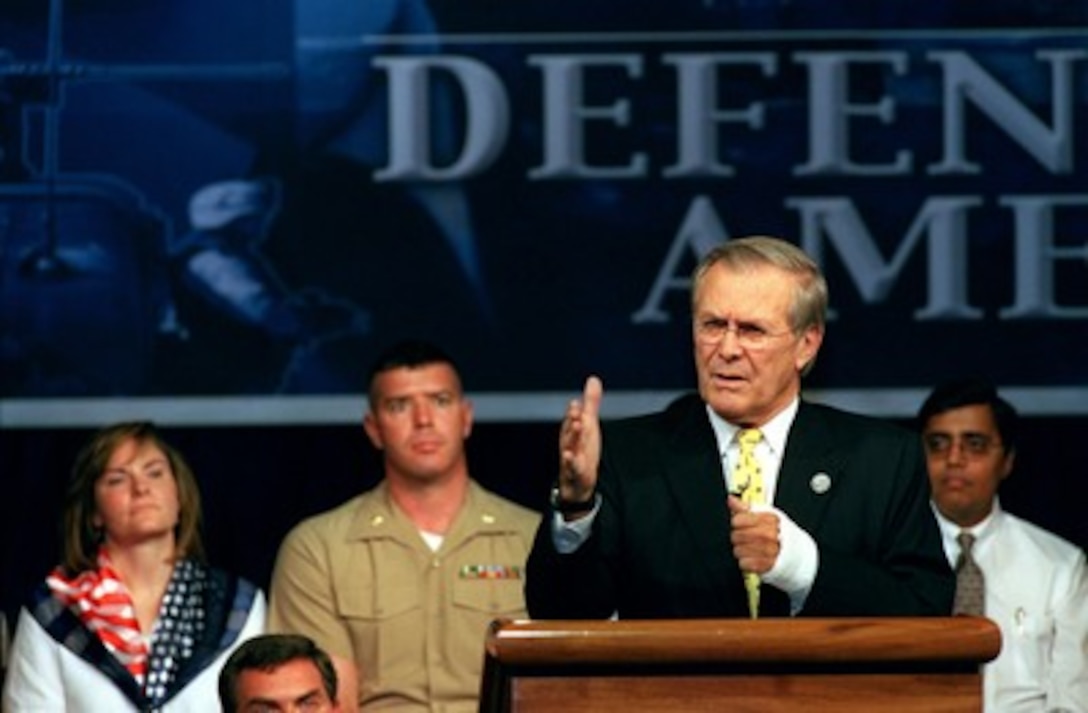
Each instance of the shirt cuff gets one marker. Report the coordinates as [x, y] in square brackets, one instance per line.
[569, 535]
[795, 569]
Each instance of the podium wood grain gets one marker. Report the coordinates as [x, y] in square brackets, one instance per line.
[913, 665]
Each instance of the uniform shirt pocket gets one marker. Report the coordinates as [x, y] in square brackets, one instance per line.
[499, 594]
[380, 604]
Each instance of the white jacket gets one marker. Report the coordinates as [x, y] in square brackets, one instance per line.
[45, 677]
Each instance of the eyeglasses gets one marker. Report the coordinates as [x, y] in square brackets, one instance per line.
[711, 331]
[973, 445]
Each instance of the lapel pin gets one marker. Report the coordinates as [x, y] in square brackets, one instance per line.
[820, 483]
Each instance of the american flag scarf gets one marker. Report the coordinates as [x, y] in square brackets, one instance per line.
[103, 604]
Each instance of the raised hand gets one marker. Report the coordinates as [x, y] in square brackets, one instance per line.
[580, 444]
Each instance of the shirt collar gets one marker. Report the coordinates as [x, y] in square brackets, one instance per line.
[774, 431]
[950, 530]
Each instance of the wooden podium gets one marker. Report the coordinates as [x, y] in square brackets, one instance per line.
[915, 665]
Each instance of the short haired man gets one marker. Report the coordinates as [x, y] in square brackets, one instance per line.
[400, 583]
[744, 499]
[1035, 583]
[278, 673]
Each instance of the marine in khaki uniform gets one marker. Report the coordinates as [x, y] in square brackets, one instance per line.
[400, 583]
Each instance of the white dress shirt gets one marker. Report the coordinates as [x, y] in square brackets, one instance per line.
[795, 569]
[1037, 593]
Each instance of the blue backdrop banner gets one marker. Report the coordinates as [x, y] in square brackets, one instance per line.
[220, 212]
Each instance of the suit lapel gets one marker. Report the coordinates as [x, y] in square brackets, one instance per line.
[695, 479]
[693, 472]
[812, 467]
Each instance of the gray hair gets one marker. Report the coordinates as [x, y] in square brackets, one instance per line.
[809, 306]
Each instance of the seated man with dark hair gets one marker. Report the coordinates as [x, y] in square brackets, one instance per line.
[1033, 583]
[278, 672]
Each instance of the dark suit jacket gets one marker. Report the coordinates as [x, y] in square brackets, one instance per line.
[660, 545]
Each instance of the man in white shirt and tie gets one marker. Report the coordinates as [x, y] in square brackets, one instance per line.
[1035, 584]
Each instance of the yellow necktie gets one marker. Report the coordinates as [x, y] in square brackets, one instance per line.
[748, 482]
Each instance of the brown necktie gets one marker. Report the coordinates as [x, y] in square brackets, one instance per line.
[970, 583]
[748, 482]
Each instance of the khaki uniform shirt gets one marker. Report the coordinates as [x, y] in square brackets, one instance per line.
[361, 582]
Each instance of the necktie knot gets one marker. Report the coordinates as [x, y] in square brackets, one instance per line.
[749, 437]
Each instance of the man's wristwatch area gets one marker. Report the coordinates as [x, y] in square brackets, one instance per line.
[566, 507]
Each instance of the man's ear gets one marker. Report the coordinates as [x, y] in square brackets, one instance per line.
[808, 347]
[468, 414]
[370, 425]
[1007, 466]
